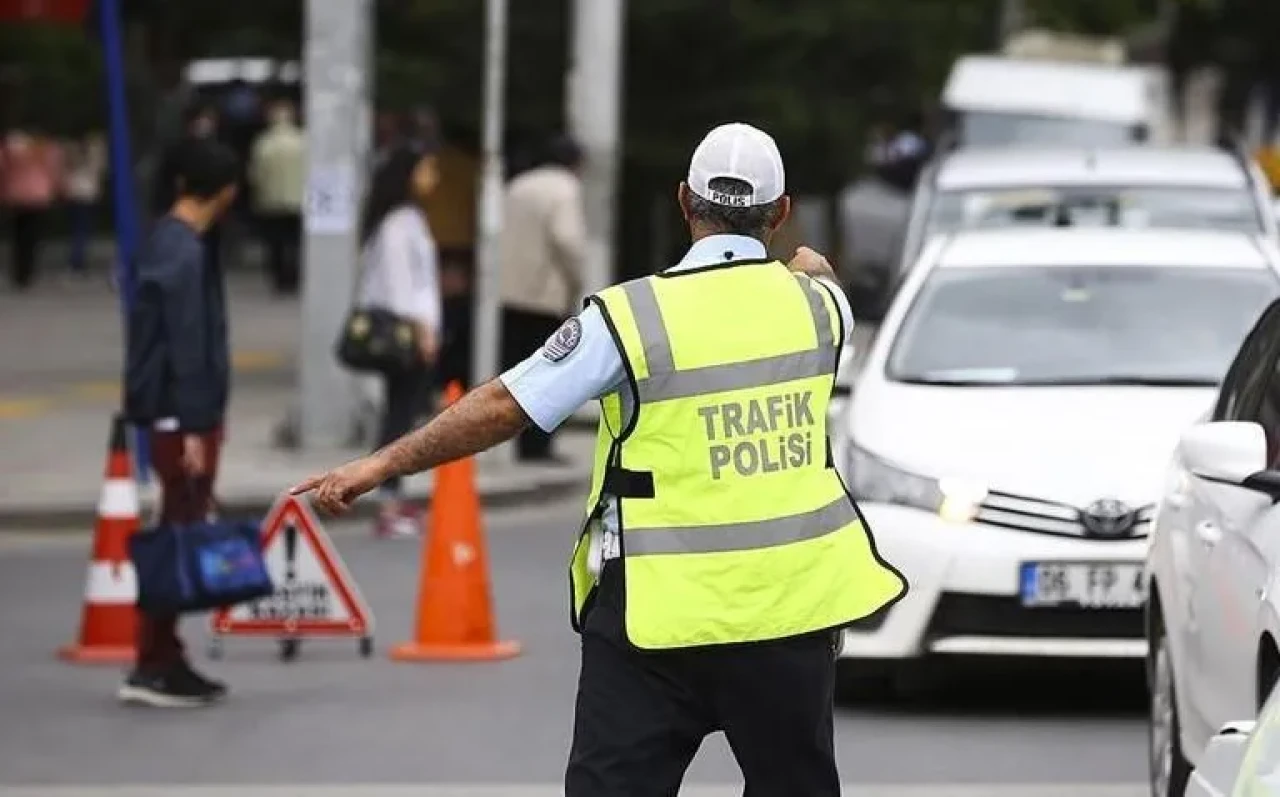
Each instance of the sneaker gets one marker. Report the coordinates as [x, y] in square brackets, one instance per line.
[216, 689]
[399, 522]
[170, 689]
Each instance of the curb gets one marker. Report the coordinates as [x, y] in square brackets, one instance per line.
[82, 517]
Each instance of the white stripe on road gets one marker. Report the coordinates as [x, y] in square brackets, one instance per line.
[850, 790]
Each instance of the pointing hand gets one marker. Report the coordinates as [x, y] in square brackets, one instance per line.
[335, 491]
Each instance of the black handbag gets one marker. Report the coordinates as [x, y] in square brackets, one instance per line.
[199, 566]
[375, 340]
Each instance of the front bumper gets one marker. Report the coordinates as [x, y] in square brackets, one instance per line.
[963, 597]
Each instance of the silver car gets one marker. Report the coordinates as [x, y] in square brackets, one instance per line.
[1133, 186]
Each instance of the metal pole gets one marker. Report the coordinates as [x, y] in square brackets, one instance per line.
[122, 190]
[336, 90]
[595, 91]
[486, 322]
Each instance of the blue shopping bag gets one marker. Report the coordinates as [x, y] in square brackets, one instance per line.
[194, 567]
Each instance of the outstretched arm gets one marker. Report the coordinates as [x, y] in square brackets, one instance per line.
[483, 418]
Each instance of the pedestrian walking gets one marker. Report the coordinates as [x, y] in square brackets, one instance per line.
[30, 178]
[401, 274]
[721, 554]
[177, 383]
[278, 174]
[200, 125]
[86, 168]
[541, 253]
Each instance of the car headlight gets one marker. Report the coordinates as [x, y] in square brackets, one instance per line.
[871, 479]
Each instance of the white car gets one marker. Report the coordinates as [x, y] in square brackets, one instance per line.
[1008, 431]
[1243, 758]
[1213, 616]
[1139, 186]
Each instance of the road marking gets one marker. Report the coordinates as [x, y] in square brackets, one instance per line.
[105, 388]
[19, 407]
[850, 789]
[251, 361]
[22, 408]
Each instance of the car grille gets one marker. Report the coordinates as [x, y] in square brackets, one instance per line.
[996, 616]
[1047, 517]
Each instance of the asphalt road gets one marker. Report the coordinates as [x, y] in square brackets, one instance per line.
[366, 725]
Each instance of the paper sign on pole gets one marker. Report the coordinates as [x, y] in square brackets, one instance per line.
[315, 594]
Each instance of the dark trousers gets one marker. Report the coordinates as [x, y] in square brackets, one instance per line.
[282, 238]
[405, 398]
[183, 499]
[640, 717]
[522, 333]
[27, 228]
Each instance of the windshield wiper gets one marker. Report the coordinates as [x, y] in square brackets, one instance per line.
[1122, 380]
[1108, 381]
[954, 382]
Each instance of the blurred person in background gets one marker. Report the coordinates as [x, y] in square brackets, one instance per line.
[277, 174]
[400, 273]
[86, 168]
[241, 115]
[30, 181]
[201, 126]
[541, 253]
[177, 383]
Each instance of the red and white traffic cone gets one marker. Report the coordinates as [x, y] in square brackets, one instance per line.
[108, 624]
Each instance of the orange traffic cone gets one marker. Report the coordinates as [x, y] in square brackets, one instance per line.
[108, 622]
[455, 608]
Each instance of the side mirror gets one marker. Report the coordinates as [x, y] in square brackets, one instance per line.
[1230, 452]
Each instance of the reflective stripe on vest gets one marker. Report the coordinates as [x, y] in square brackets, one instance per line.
[668, 383]
[743, 536]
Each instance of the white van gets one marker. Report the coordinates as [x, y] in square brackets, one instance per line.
[1002, 101]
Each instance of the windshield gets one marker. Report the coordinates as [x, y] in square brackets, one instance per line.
[982, 128]
[1096, 206]
[1078, 325]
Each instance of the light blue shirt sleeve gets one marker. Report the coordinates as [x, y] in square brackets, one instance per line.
[549, 391]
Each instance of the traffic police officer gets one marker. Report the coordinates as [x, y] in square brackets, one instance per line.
[721, 553]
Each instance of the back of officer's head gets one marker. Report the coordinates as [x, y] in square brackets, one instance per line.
[207, 173]
[736, 185]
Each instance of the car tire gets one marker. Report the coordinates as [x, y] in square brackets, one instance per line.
[1168, 767]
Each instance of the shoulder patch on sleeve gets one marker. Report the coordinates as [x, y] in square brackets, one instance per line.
[564, 341]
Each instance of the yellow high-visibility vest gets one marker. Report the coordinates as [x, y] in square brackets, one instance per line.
[734, 524]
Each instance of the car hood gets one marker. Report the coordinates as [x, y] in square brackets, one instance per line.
[1068, 444]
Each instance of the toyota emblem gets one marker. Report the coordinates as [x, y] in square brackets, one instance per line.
[1109, 517]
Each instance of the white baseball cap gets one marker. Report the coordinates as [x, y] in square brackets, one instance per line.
[740, 152]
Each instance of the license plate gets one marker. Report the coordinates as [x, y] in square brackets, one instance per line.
[1092, 585]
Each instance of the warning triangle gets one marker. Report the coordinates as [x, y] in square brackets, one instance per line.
[315, 594]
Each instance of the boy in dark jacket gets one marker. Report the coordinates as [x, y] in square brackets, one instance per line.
[177, 382]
